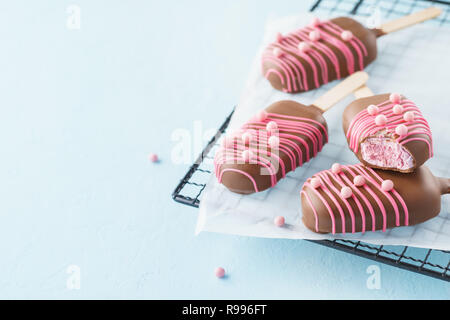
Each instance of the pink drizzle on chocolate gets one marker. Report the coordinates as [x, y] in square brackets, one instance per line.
[313, 53]
[271, 135]
[370, 182]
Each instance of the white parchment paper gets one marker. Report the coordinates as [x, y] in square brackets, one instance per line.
[413, 62]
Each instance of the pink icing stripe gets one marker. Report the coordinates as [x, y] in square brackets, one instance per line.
[312, 207]
[373, 183]
[325, 203]
[241, 172]
[293, 70]
[295, 147]
[363, 125]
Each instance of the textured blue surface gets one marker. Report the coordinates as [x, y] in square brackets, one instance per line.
[80, 112]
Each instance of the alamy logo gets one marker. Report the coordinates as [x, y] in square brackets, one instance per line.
[74, 17]
[374, 280]
[74, 280]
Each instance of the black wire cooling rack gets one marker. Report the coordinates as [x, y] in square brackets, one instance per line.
[434, 263]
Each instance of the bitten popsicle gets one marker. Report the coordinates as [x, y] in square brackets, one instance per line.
[327, 50]
[355, 198]
[277, 140]
[388, 131]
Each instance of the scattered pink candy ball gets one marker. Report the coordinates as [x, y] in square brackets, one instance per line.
[397, 109]
[395, 97]
[247, 137]
[314, 35]
[277, 52]
[272, 125]
[336, 168]
[372, 110]
[279, 221]
[380, 120]
[346, 192]
[153, 157]
[247, 155]
[261, 116]
[387, 185]
[315, 22]
[401, 130]
[315, 183]
[279, 37]
[409, 116]
[359, 181]
[346, 35]
[274, 142]
[304, 46]
[219, 272]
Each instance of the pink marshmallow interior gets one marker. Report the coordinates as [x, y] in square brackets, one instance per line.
[386, 153]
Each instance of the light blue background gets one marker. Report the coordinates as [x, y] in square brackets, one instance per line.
[80, 112]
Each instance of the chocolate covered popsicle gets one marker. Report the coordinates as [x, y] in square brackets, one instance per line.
[277, 140]
[388, 131]
[355, 198]
[327, 50]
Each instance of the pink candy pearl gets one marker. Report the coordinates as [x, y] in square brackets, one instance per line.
[359, 181]
[409, 116]
[219, 272]
[277, 52]
[315, 22]
[153, 157]
[346, 35]
[346, 192]
[314, 35]
[247, 137]
[279, 221]
[395, 98]
[261, 116]
[336, 168]
[304, 46]
[274, 142]
[279, 37]
[315, 183]
[380, 120]
[272, 125]
[247, 155]
[372, 110]
[387, 185]
[397, 109]
[401, 130]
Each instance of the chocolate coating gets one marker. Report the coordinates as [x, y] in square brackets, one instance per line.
[274, 68]
[418, 144]
[420, 191]
[302, 132]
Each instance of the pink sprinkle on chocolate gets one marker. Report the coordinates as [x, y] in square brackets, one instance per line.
[380, 120]
[397, 109]
[395, 98]
[372, 110]
[401, 130]
[336, 168]
[409, 116]
[346, 192]
[314, 35]
[359, 181]
[387, 185]
[346, 35]
[315, 183]
[279, 221]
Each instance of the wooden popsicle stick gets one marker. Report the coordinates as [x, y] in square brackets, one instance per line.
[409, 20]
[343, 89]
[363, 92]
